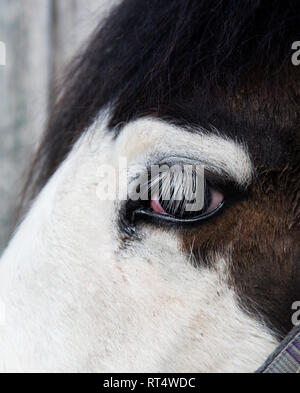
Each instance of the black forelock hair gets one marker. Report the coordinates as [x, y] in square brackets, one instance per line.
[148, 55]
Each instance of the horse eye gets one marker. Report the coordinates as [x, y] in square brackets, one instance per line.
[176, 211]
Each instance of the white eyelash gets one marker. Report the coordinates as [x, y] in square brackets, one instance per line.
[176, 186]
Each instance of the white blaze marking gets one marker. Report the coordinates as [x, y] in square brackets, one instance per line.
[2, 313]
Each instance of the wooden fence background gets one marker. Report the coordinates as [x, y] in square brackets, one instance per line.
[41, 37]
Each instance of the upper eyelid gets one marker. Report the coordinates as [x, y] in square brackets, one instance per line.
[227, 187]
[217, 176]
[155, 138]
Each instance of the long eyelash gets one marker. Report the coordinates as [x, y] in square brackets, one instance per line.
[175, 188]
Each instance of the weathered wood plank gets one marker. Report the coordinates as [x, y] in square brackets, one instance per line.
[73, 22]
[41, 36]
[24, 27]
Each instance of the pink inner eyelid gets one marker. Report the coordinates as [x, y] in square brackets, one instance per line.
[217, 198]
[156, 207]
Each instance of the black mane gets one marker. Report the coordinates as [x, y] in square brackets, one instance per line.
[149, 56]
